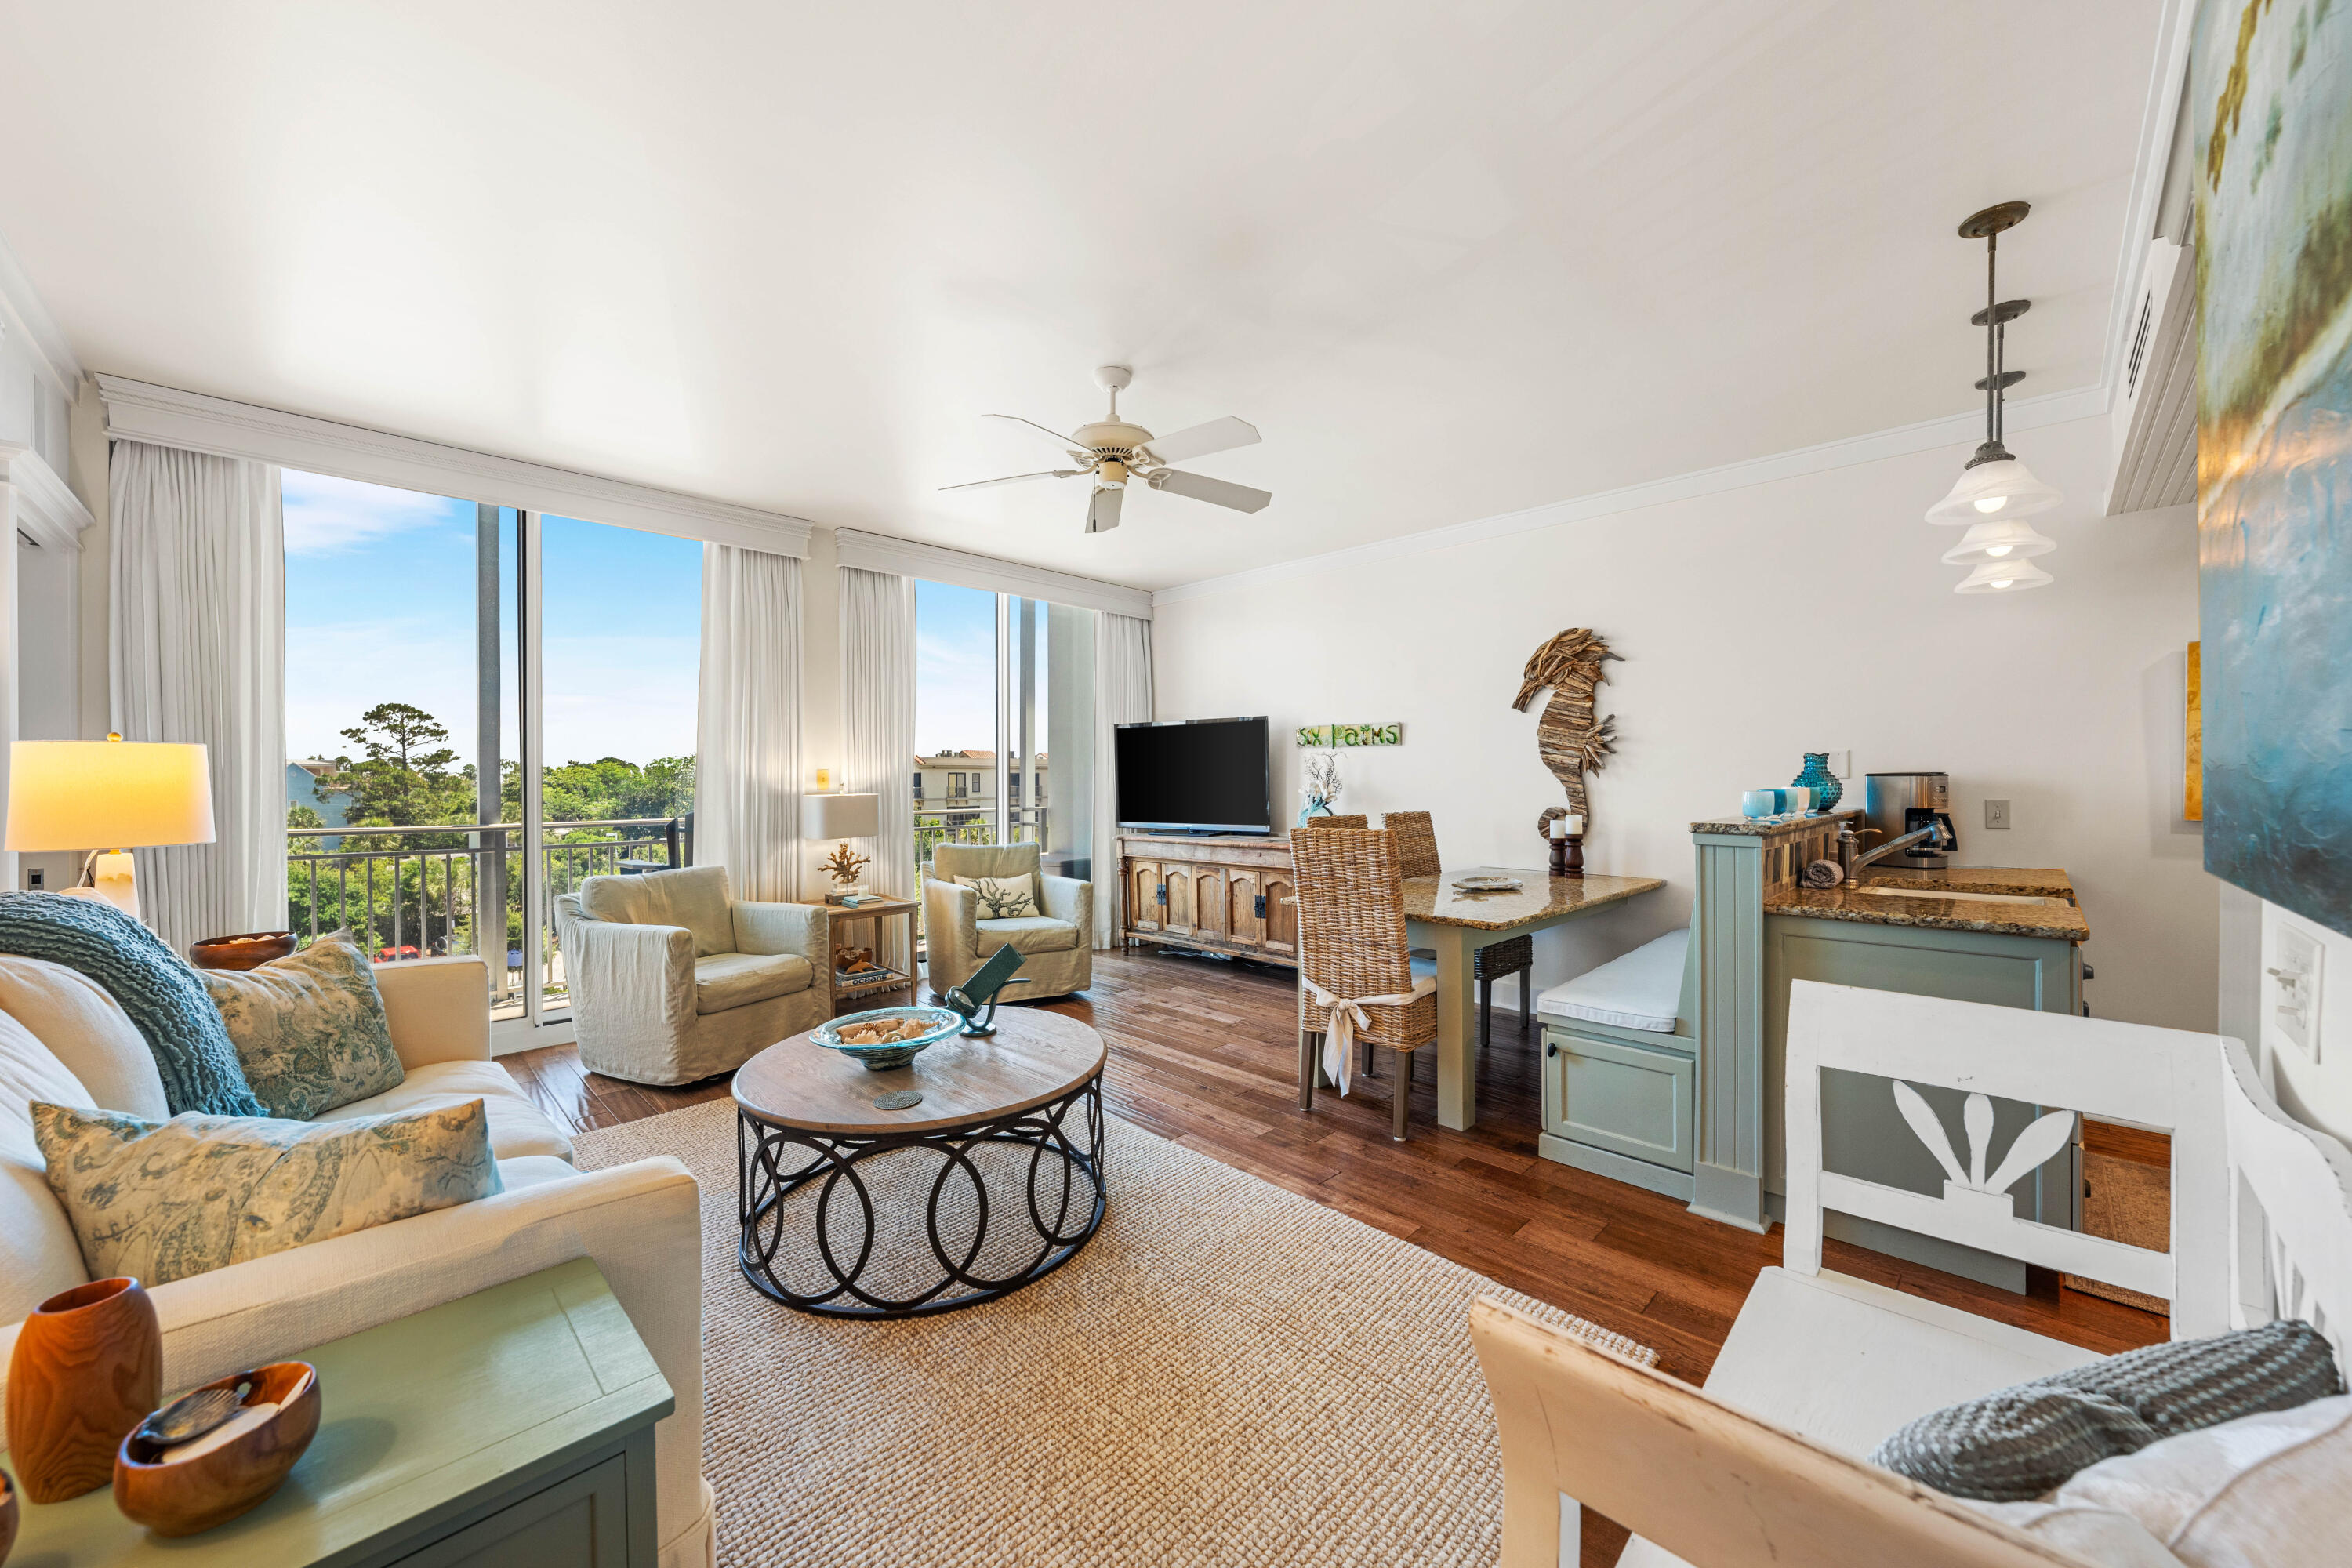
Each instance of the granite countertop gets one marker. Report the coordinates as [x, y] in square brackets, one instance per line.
[1434, 900]
[2059, 919]
[1769, 827]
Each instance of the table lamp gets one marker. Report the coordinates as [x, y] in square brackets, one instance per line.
[843, 816]
[70, 794]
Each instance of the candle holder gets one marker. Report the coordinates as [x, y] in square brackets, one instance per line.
[1572, 859]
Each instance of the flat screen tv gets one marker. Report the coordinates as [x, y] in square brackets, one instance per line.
[1201, 775]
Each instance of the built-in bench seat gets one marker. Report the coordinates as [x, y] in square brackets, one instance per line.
[1620, 1044]
[1640, 990]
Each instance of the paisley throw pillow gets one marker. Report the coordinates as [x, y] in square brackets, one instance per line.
[1003, 898]
[308, 1027]
[164, 1200]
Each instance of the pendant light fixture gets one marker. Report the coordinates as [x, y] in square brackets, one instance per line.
[1995, 492]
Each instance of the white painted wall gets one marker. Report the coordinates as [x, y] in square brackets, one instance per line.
[1806, 614]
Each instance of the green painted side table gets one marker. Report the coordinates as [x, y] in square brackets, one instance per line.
[514, 1427]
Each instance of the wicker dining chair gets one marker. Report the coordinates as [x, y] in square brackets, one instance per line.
[1416, 840]
[1416, 836]
[1351, 944]
[1358, 820]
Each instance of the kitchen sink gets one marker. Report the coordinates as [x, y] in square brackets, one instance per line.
[1950, 893]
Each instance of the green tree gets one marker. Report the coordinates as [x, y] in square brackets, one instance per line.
[399, 782]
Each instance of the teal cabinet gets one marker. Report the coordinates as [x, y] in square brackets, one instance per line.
[512, 1428]
[1862, 1133]
[1620, 1106]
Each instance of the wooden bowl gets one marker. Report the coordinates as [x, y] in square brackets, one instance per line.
[195, 1494]
[251, 950]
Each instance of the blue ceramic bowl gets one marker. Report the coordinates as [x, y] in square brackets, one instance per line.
[939, 1022]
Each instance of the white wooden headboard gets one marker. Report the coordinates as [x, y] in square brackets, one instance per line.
[2290, 1212]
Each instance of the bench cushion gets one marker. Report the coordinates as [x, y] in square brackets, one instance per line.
[1642, 990]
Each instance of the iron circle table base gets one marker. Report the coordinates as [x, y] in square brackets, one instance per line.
[985, 1205]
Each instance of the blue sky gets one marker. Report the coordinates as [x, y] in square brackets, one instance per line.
[380, 608]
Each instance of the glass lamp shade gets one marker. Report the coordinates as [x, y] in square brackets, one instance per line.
[840, 816]
[106, 794]
[2006, 539]
[2004, 577]
[2004, 488]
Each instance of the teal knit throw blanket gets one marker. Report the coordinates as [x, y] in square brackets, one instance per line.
[156, 986]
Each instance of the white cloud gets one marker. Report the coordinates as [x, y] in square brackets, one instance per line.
[325, 516]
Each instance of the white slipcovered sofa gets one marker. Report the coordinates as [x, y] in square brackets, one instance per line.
[673, 979]
[641, 1222]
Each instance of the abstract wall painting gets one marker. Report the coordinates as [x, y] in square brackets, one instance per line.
[2271, 91]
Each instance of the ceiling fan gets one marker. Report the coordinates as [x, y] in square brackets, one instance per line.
[1114, 452]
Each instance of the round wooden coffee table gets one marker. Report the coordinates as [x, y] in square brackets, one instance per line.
[993, 1179]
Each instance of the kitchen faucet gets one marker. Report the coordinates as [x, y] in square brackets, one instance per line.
[1852, 857]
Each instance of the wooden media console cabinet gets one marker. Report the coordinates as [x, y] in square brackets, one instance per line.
[1218, 894]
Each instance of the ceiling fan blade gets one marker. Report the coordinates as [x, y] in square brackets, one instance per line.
[1016, 478]
[1064, 442]
[1102, 512]
[1217, 492]
[1199, 441]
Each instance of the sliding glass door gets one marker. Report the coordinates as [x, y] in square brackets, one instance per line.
[1004, 724]
[483, 708]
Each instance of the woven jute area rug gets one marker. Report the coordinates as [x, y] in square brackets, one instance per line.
[1227, 1374]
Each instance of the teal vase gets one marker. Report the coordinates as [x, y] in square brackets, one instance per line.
[1313, 808]
[1817, 777]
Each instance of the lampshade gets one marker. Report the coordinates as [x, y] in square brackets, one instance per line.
[2004, 577]
[106, 794]
[2006, 539]
[840, 816]
[2003, 487]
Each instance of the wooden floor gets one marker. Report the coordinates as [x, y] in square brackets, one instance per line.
[1202, 1052]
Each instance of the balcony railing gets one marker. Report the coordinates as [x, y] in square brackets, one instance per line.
[431, 890]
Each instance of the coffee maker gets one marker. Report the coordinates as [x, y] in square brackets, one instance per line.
[1897, 803]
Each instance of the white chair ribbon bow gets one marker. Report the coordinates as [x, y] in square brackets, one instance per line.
[1347, 1017]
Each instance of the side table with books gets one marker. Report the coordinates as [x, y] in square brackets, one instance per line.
[860, 977]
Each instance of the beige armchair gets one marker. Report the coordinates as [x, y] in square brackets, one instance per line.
[672, 980]
[1056, 947]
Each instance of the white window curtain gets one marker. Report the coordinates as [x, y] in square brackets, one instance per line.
[877, 722]
[198, 647]
[1122, 695]
[747, 768]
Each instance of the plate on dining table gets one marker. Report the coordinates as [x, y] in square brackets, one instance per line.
[1488, 885]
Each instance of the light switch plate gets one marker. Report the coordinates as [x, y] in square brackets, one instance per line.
[1997, 814]
[1841, 764]
[2294, 988]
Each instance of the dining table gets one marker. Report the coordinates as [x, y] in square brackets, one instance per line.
[1456, 924]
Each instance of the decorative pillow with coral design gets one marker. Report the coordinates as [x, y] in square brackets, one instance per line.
[164, 1200]
[310, 1028]
[1003, 898]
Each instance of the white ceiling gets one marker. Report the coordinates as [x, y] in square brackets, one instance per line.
[1453, 259]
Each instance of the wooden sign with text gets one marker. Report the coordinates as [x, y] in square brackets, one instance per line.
[1351, 735]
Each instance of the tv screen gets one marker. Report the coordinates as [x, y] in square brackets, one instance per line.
[1208, 774]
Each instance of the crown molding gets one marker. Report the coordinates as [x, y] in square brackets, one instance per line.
[165, 417]
[938, 563]
[41, 505]
[1958, 429]
[22, 312]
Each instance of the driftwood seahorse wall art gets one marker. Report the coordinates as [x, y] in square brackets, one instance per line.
[1570, 741]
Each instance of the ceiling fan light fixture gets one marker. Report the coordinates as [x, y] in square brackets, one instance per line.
[1996, 540]
[2003, 487]
[2013, 576]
